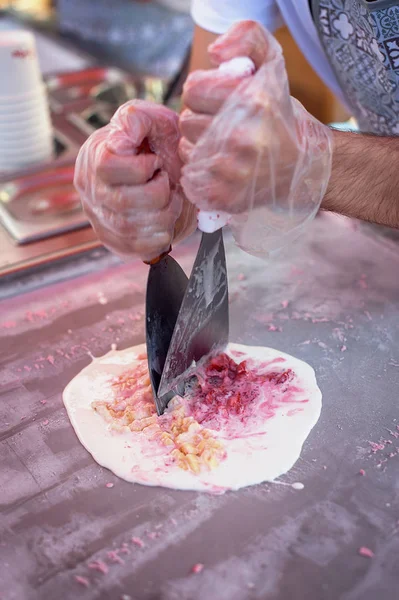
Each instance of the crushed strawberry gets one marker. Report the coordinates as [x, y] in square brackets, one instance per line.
[228, 388]
[280, 378]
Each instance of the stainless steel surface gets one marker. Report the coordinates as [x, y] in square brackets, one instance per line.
[41, 205]
[17, 259]
[105, 86]
[166, 286]
[338, 289]
[203, 321]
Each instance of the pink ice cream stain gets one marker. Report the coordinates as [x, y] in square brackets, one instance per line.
[197, 568]
[375, 447]
[8, 324]
[115, 558]
[366, 552]
[99, 565]
[82, 581]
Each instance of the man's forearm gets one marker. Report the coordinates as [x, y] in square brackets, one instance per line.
[365, 178]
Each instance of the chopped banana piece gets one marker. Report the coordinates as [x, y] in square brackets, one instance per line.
[192, 447]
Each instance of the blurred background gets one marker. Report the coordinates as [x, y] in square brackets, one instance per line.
[93, 55]
[154, 37]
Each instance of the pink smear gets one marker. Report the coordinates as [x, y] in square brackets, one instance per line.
[50, 359]
[8, 324]
[284, 303]
[27, 368]
[109, 485]
[99, 565]
[366, 312]
[241, 277]
[375, 447]
[362, 472]
[294, 411]
[343, 349]
[197, 568]
[152, 535]
[32, 316]
[321, 320]
[138, 542]
[113, 557]
[173, 521]
[46, 422]
[134, 317]
[366, 552]
[43, 401]
[339, 334]
[82, 580]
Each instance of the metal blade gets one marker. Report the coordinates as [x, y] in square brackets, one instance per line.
[203, 322]
[166, 287]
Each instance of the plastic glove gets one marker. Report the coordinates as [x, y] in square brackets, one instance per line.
[250, 148]
[127, 175]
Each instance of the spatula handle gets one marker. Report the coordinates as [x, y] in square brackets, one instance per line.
[211, 221]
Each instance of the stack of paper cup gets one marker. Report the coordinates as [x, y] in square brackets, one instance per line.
[26, 135]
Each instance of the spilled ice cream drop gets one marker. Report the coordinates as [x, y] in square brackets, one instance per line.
[244, 417]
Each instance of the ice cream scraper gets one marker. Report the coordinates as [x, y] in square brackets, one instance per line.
[166, 286]
[203, 322]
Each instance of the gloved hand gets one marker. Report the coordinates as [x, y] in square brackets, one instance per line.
[127, 175]
[250, 148]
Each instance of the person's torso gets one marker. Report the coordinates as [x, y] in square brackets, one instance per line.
[354, 46]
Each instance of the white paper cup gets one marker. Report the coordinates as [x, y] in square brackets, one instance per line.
[26, 160]
[24, 146]
[18, 99]
[11, 157]
[24, 103]
[15, 137]
[25, 123]
[18, 63]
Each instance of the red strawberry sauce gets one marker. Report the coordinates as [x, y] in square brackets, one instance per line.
[227, 389]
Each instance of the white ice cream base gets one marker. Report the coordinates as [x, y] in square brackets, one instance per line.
[268, 452]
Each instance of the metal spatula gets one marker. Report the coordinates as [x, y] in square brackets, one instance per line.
[166, 287]
[203, 322]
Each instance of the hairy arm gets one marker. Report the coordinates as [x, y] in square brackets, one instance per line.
[365, 179]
